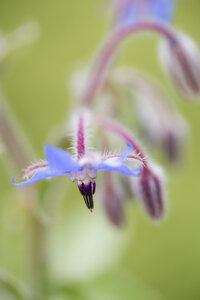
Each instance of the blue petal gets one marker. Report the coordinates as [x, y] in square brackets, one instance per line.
[58, 159]
[116, 164]
[117, 168]
[129, 13]
[133, 11]
[162, 9]
[39, 175]
[125, 154]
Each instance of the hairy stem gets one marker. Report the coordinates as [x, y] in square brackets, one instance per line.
[80, 138]
[123, 132]
[110, 47]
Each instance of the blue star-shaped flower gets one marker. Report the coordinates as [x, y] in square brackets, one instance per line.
[59, 162]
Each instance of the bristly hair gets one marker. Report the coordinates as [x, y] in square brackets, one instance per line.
[73, 130]
[33, 167]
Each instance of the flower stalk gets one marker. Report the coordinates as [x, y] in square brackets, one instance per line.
[110, 47]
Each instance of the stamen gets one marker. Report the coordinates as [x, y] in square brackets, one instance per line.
[94, 187]
[87, 190]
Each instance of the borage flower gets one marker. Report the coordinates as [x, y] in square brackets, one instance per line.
[82, 170]
[130, 11]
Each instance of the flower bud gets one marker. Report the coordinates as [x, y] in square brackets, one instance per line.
[112, 201]
[172, 145]
[181, 59]
[158, 119]
[149, 190]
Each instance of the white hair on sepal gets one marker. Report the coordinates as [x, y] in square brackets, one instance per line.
[34, 167]
[73, 129]
[108, 152]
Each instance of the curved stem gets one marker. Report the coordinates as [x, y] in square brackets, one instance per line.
[111, 45]
[136, 157]
[123, 132]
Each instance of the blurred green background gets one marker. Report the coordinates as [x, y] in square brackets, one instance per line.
[83, 256]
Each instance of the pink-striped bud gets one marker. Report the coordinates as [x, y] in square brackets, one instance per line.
[149, 189]
[181, 59]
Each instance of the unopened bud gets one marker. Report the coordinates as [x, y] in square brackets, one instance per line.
[181, 59]
[172, 146]
[159, 120]
[149, 189]
[112, 201]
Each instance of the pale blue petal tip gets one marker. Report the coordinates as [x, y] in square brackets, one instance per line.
[122, 168]
[134, 11]
[13, 181]
[129, 144]
[40, 175]
[126, 152]
[20, 183]
[163, 10]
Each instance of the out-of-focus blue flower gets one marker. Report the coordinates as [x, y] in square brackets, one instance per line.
[59, 162]
[131, 11]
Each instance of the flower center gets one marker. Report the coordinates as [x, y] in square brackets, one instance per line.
[86, 184]
[87, 190]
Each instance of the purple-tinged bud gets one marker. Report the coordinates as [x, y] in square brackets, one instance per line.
[149, 189]
[171, 146]
[87, 190]
[159, 120]
[112, 201]
[181, 59]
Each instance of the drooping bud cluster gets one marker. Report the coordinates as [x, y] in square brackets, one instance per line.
[181, 59]
[160, 121]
